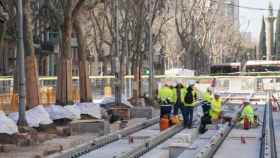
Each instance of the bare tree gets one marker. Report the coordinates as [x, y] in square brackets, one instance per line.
[32, 78]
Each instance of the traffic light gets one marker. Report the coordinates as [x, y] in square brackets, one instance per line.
[147, 71]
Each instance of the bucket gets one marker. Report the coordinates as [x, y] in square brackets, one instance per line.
[246, 123]
[164, 123]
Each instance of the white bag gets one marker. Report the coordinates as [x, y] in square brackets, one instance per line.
[34, 117]
[59, 112]
[90, 109]
[74, 111]
[7, 125]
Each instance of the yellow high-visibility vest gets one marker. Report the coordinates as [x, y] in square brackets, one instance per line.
[216, 108]
[165, 93]
[248, 112]
[207, 97]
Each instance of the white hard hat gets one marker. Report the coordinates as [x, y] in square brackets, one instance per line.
[191, 82]
[217, 94]
[247, 99]
[174, 84]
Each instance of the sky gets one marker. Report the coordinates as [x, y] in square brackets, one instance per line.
[251, 20]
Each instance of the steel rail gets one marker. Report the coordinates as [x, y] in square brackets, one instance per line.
[209, 150]
[262, 148]
[153, 142]
[100, 142]
[272, 134]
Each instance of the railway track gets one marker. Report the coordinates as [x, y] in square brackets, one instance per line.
[147, 141]
[257, 142]
[104, 141]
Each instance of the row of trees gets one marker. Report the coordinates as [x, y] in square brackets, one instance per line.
[127, 30]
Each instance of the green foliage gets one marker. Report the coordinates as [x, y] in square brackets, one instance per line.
[262, 41]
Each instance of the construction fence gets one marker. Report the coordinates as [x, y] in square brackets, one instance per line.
[102, 86]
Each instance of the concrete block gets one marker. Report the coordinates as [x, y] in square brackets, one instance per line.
[99, 127]
[63, 131]
[123, 112]
[7, 139]
[141, 112]
[7, 147]
[177, 149]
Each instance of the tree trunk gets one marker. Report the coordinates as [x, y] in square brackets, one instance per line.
[85, 88]
[3, 28]
[136, 80]
[64, 75]
[31, 70]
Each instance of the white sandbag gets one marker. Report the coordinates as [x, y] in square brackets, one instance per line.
[74, 110]
[59, 112]
[34, 117]
[7, 125]
[90, 109]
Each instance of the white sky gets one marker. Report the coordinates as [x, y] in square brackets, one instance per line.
[250, 20]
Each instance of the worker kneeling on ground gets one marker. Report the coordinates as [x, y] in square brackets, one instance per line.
[216, 108]
[189, 103]
[247, 115]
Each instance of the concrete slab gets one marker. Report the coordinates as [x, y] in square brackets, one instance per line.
[123, 145]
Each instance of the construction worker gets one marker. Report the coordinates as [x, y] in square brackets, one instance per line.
[247, 113]
[206, 106]
[178, 93]
[165, 95]
[174, 99]
[216, 107]
[207, 100]
[190, 97]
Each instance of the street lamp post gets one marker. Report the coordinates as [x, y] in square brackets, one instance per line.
[151, 53]
[20, 65]
[116, 64]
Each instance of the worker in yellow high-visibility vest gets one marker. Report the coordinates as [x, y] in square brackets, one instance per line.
[189, 98]
[207, 99]
[165, 94]
[216, 107]
[248, 113]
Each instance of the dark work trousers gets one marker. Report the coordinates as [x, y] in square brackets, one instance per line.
[187, 113]
[176, 108]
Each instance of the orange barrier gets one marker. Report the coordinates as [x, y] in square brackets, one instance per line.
[14, 102]
[76, 95]
[107, 91]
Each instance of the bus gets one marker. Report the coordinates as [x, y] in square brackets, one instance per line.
[226, 68]
[252, 67]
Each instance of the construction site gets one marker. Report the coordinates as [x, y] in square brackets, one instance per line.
[139, 132]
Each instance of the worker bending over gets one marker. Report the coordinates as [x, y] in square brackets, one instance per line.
[247, 115]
